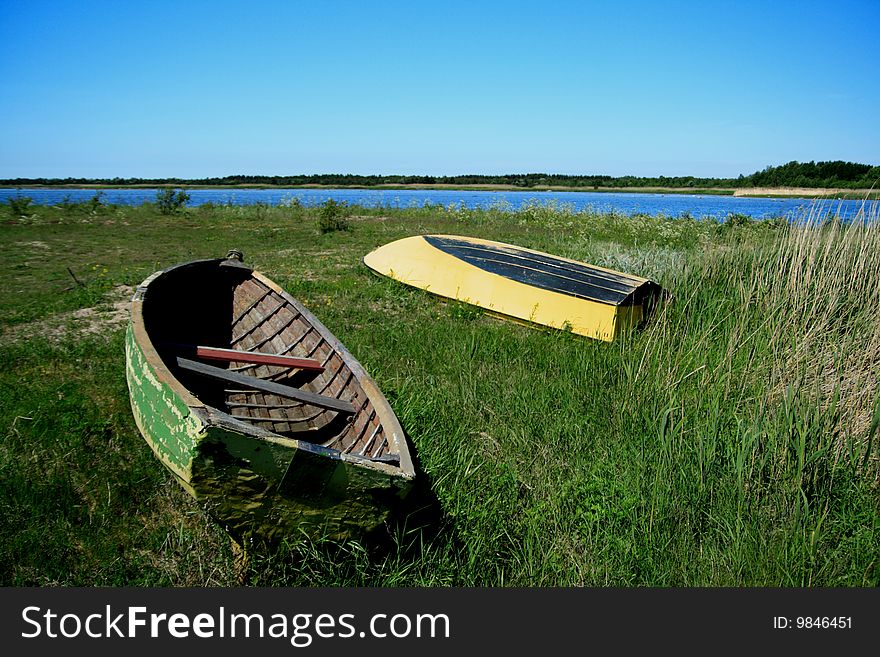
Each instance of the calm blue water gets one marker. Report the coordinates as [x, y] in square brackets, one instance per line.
[667, 204]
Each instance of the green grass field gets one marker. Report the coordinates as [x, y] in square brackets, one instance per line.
[733, 441]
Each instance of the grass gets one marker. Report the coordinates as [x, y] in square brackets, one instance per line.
[733, 441]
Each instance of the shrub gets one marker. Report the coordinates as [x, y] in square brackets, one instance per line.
[333, 216]
[170, 201]
[18, 205]
[738, 219]
[95, 203]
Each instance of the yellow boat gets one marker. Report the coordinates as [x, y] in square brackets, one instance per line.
[518, 283]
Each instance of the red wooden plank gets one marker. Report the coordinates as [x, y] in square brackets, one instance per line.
[256, 358]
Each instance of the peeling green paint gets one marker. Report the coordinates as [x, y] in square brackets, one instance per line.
[165, 421]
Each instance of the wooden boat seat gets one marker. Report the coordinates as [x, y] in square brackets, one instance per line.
[254, 383]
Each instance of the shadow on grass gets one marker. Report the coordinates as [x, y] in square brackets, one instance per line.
[418, 514]
[395, 554]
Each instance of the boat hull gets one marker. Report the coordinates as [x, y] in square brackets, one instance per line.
[519, 284]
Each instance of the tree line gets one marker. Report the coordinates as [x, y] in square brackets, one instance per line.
[848, 175]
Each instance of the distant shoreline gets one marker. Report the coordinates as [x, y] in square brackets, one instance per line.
[746, 192]
[808, 192]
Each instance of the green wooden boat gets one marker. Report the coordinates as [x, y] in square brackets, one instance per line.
[260, 413]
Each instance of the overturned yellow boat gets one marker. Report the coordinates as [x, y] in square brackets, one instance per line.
[519, 283]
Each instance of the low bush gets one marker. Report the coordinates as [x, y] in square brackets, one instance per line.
[333, 216]
[170, 201]
[19, 205]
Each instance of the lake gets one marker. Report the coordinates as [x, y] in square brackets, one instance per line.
[673, 205]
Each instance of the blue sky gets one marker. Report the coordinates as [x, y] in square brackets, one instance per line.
[194, 89]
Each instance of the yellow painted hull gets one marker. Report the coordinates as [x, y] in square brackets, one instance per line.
[518, 283]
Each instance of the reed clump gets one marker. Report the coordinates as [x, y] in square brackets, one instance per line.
[823, 285]
[798, 313]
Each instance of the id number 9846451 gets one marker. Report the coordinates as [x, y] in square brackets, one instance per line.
[812, 623]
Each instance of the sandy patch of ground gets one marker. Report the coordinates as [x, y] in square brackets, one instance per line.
[36, 244]
[102, 320]
[798, 191]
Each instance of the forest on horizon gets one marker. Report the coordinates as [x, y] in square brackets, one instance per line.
[835, 174]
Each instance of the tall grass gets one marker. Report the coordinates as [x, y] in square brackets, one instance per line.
[828, 333]
[760, 381]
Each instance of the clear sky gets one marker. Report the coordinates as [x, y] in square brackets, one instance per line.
[193, 89]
